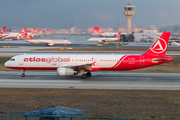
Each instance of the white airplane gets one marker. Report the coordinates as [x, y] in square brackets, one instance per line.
[69, 65]
[103, 39]
[16, 35]
[46, 42]
[97, 31]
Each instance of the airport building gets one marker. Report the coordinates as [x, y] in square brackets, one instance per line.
[147, 36]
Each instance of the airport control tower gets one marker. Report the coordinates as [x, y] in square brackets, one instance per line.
[129, 12]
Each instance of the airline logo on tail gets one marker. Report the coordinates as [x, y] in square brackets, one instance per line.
[2, 30]
[160, 46]
[97, 29]
[23, 30]
[118, 35]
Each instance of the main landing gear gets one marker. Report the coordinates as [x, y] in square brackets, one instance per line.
[23, 73]
[84, 76]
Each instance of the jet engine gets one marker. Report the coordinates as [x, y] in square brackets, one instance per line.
[66, 71]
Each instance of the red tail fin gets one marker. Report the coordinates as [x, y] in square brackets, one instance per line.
[160, 46]
[2, 30]
[118, 35]
[27, 37]
[97, 29]
[33, 30]
[23, 31]
[37, 30]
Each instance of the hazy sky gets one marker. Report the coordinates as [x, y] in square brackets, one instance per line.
[86, 13]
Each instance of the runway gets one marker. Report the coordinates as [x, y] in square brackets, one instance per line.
[99, 80]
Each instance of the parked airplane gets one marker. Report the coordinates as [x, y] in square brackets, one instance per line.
[46, 42]
[73, 64]
[16, 35]
[104, 39]
[97, 31]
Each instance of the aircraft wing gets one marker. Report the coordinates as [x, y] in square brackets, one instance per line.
[86, 66]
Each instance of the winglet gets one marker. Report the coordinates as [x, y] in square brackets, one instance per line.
[27, 37]
[160, 46]
[2, 30]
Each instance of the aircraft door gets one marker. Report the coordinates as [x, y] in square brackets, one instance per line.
[21, 61]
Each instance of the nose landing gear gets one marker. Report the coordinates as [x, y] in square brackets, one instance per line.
[23, 73]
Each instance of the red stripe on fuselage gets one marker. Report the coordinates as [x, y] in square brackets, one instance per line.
[120, 60]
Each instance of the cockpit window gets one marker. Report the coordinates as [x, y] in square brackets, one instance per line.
[12, 59]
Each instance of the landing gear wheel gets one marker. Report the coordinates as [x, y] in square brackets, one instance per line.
[84, 76]
[88, 74]
[23, 75]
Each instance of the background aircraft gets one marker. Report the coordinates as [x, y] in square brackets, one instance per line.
[66, 65]
[15, 36]
[97, 31]
[105, 39]
[46, 42]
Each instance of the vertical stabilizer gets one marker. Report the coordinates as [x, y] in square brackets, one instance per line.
[160, 46]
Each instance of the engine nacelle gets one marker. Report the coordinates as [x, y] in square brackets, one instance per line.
[66, 71]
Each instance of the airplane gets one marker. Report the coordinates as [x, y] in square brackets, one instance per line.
[71, 64]
[97, 31]
[16, 35]
[46, 42]
[103, 39]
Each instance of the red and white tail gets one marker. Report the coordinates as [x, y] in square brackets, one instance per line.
[33, 30]
[24, 30]
[118, 35]
[160, 46]
[37, 30]
[2, 30]
[27, 37]
[97, 29]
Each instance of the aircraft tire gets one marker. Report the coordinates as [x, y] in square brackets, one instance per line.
[88, 74]
[84, 76]
[23, 75]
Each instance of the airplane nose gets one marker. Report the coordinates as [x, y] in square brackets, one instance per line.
[6, 64]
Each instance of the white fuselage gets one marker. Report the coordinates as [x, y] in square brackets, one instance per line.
[102, 39]
[52, 62]
[105, 34]
[48, 42]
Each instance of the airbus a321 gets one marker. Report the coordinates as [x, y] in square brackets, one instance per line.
[46, 42]
[68, 65]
